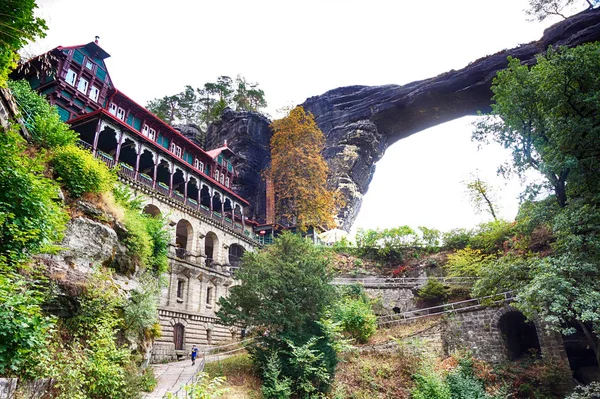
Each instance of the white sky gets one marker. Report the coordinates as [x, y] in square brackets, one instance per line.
[295, 50]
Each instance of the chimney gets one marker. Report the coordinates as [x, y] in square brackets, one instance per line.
[96, 39]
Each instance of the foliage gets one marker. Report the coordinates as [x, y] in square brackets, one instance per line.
[283, 287]
[31, 219]
[147, 237]
[457, 238]
[275, 386]
[542, 9]
[430, 238]
[80, 172]
[299, 172]
[140, 313]
[204, 388]
[466, 262]
[550, 119]
[19, 26]
[202, 106]
[463, 384]
[590, 391]
[430, 385]
[356, 318]
[482, 196]
[433, 290]
[42, 119]
[386, 244]
[491, 237]
[24, 328]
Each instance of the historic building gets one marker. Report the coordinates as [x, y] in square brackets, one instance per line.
[178, 179]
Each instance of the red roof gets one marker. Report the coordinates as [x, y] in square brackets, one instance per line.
[215, 153]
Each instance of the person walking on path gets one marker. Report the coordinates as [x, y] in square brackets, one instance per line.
[194, 354]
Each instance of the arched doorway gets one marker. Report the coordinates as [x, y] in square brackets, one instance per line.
[183, 238]
[151, 210]
[519, 335]
[236, 252]
[178, 336]
[211, 243]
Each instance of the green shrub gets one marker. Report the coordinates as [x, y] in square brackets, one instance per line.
[275, 386]
[429, 385]
[490, 237]
[433, 290]
[467, 262]
[457, 238]
[23, 330]
[140, 313]
[42, 120]
[356, 318]
[31, 218]
[463, 384]
[80, 172]
[591, 391]
[204, 388]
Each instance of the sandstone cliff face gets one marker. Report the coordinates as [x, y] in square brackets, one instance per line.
[361, 121]
[248, 135]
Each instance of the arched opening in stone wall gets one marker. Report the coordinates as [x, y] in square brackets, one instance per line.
[183, 237]
[205, 197]
[107, 142]
[582, 358]
[211, 243]
[178, 336]
[236, 252]
[520, 336]
[151, 210]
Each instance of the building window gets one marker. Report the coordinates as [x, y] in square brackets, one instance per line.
[112, 109]
[199, 165]
[216, 175]
[89, 65]
[94, 93]
[121, 113]
[152, 134]
[180, 289]
[145, 130]
[71, 76]
[175, 149]
[82, 86]
[209, 295]
[222, 178]
[227, 181]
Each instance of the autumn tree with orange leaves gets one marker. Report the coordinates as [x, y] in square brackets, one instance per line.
[299, 172]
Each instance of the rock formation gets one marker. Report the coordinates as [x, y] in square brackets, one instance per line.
[248, 135]
[361, 121]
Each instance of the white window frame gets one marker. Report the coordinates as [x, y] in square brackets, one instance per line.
[145, 130]
[121, 113]
[83, 85]
[198, 164]
[152, 134]
[227, 182]
[216, 175]
[178, 151]
[112, 109]
[71, 77]
[172, 147]
[94, 93]
[222, 178]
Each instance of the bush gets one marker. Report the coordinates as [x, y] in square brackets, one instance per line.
[42, 120]
[31, 218]
[80, 172]
[356, 318]
[466, 262]
[591, 391]
[429, 385]
[433, 290]
[490, 237]
[457, 238]
[463, 384]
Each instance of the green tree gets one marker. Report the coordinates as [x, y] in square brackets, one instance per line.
[299, 172]
[284, 291]
[482, 196]
[542, 9]
[18, 26]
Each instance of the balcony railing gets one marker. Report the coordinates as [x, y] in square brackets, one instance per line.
[127, 171]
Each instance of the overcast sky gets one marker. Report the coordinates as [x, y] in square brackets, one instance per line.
[295, 50]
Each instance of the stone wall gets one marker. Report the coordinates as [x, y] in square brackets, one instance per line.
[403, 299]
[478, 331]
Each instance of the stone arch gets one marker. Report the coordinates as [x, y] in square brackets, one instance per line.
[520, 336]
[211, 247]
[236, 252]
[184, 236]
[152, 210]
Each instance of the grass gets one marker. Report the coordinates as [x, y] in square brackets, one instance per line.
[242, 379]
[404, 330]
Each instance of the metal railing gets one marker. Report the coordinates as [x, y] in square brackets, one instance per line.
[444, 309]
[402, 281]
